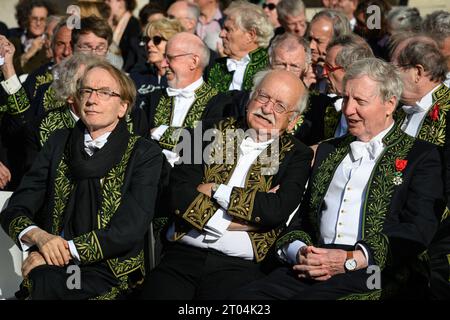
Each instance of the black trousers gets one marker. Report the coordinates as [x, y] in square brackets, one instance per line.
[187, 273]
[283, 284]
[55, 283]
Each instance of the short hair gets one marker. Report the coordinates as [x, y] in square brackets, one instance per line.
[94, 24]
[96, 8]
[341, 25]
[126, 85]
[165, 26]
[193, 11]
[249, 16]
[290, 7]
[290, 42]
[353, 48]
[302, 102]
[65, 74]
[383, 73]
[437, 25]
[427, 55]
[148, 10]
[62, 23]
[404, 19]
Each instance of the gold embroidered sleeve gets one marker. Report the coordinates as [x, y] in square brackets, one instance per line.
[241, 204]
[293, 236]
[88, 248]
[170, 138]
[17, 226]
[17, 102]
[200, 211]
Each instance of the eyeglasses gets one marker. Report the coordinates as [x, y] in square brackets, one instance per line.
[327, 69]
[264, 98]
[102, 93]
[101, 49]
[269, 6]
[156, 39]
[170, 57]
[38, 19]
[286, 66]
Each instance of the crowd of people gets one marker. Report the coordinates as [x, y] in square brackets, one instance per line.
[228, 150]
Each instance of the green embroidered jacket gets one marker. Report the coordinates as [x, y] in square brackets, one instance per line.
[220, 78]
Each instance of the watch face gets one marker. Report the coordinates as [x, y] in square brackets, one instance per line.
[350, 264]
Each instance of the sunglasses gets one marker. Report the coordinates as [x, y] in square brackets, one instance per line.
[270, 6]
[156, 39]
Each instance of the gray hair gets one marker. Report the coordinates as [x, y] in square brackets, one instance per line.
[193, 11]
[290, 42]
[404, 19]
[383, 73]
[427, 55]
[204, 54]
[302, 102]
[65, 75]
[249, 16]
[62, 23]
[290, 7]
[353, 48]
[341, 25]
[437, 25]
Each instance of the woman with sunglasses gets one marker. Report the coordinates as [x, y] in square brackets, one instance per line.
[156, 35]
[270, 9]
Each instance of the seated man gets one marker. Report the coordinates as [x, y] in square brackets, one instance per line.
[227, 213]
[372, 200]
[89, 197]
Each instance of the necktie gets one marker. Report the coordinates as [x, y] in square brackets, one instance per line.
[171, 92]
[359, 149]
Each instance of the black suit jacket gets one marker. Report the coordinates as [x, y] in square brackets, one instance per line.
[398, 221]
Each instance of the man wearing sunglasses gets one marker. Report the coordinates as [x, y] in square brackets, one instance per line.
[270, 8]
[325, 113]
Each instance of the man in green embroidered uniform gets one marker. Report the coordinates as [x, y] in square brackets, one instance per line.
[246, 35]
[228, 212]
[426, 115]
[371, 205]
[88, 199]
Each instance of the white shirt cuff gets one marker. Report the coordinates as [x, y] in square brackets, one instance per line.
[289, 252]
[23, 245]
[11, 85]
[217, 225]
[364, 250]
[158, 132]
[74, 251]
[171, 156]
[222, 195]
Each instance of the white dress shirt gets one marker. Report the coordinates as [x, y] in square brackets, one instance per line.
[416, 114]
[89, 147]
[340, 221]
[238, 66]
[215, 234]
[183, 100]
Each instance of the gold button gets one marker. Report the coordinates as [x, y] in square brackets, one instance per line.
[342, 211]
[348, 188]
[345, 200]
[340, 223]
[339, 235]
[177, 211]
[257, 219]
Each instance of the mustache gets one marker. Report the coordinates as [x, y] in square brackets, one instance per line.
[268, 117]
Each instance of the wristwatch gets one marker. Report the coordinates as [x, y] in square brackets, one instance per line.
[214, 188]
[350, 264]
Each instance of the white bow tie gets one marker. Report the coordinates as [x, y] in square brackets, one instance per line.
[412, 109]
[359, 149]
[171, 92]
[232, 64]
[248, 145]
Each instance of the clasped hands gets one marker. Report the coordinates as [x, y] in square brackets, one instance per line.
[319, 264]
[53, 250]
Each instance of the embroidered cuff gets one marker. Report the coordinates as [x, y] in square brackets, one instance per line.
[23, 245]
[11, 85]
[222, 195]
[158, 132]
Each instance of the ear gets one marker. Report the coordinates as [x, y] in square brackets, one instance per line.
[123, 109]
[419, 71]
[195, 62]
[292, 123]
[251, 36]
[391, 104]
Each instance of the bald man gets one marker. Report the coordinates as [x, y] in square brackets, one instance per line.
[228, 214]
